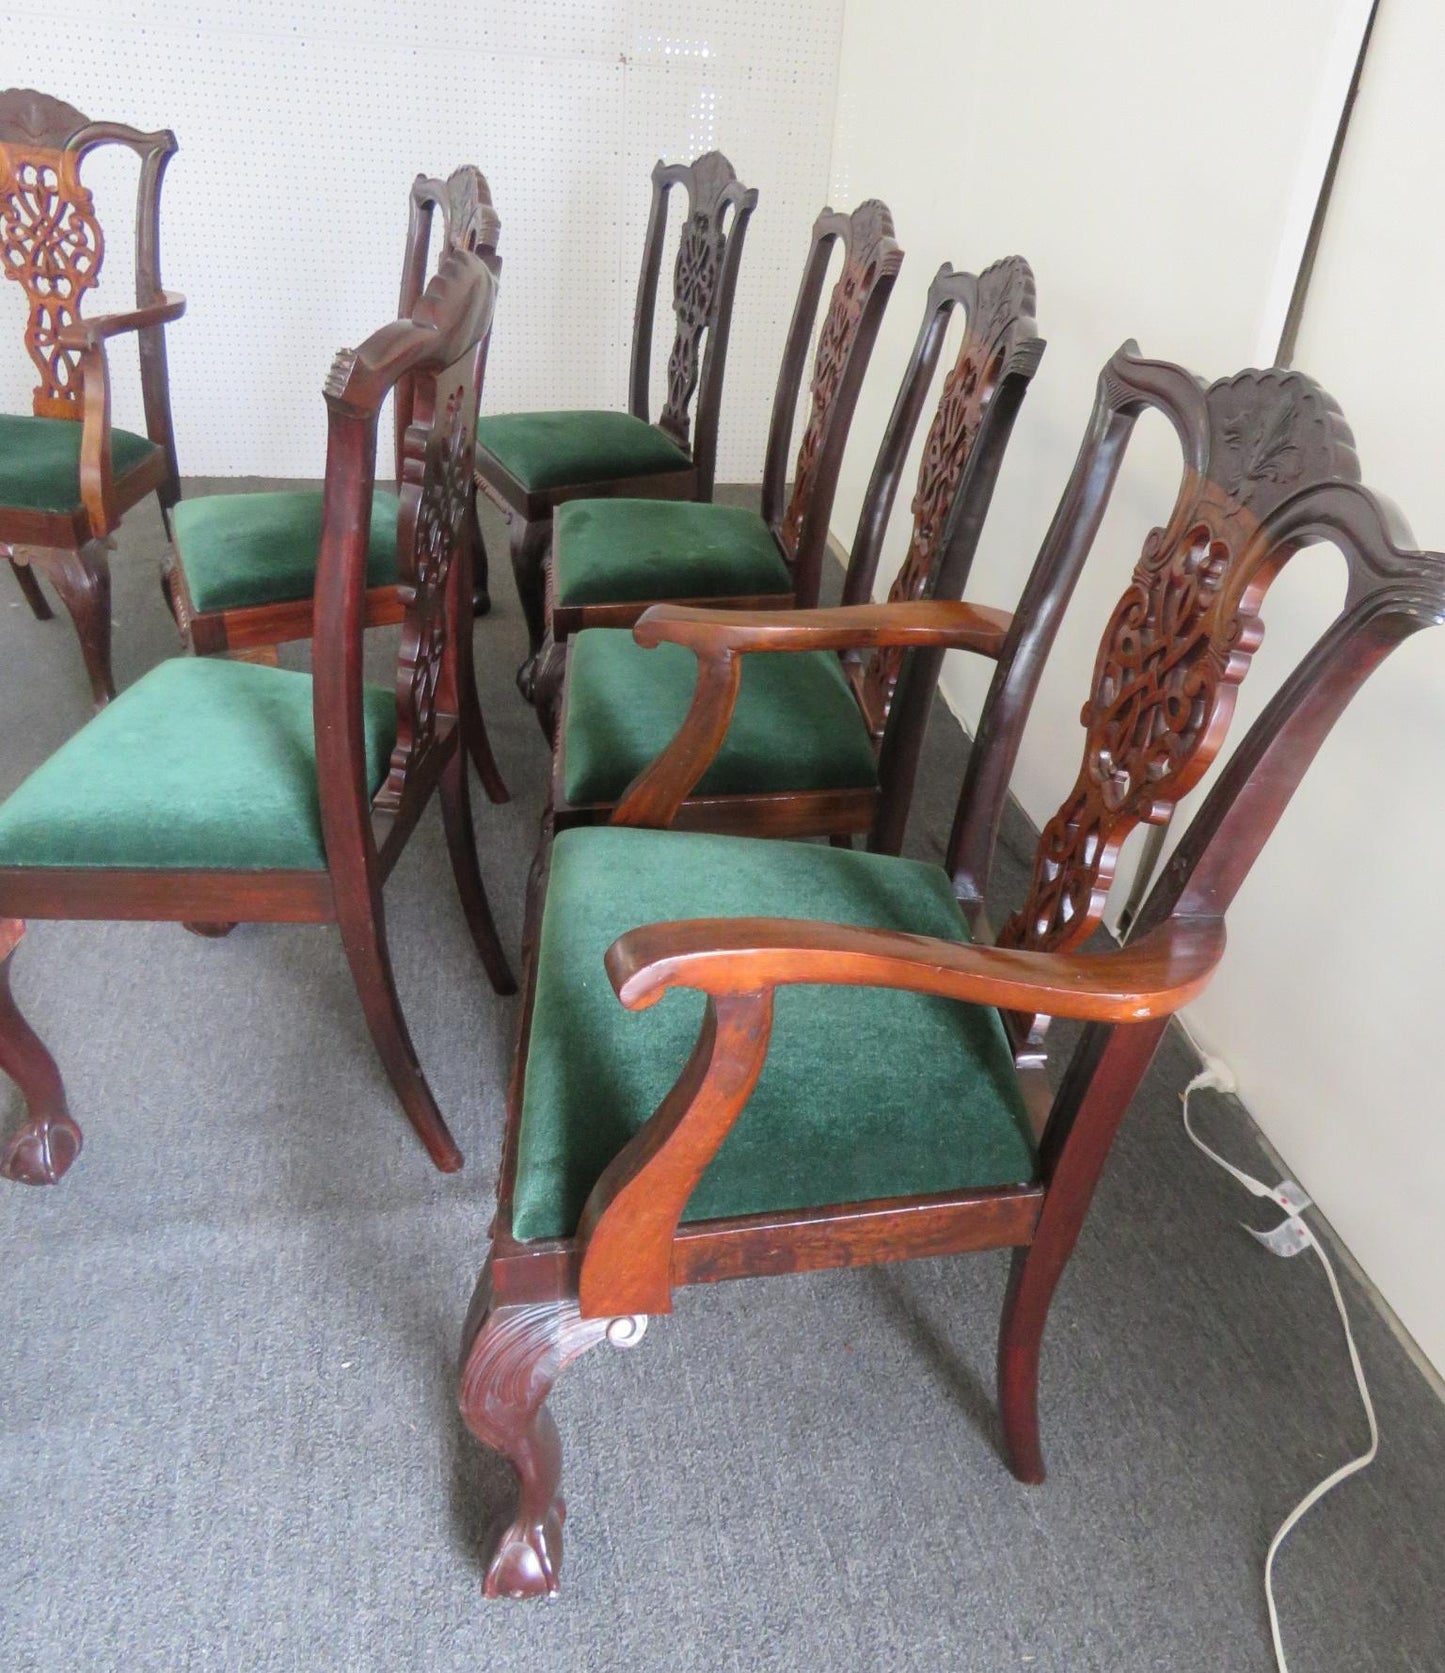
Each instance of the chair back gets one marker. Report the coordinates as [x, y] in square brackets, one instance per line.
[704, 284]
[1269, 470]
[999, 353]
[52, 246]
[441, 349]
[469, 222]
[871, 260]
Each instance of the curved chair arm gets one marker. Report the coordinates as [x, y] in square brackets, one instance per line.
[88, 338]
[87, 333]
[719, 637]
[845, 627]
[1147, 979]
[631, 1217]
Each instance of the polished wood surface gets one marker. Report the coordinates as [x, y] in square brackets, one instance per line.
[440, 349]
[53, 247]
[1269, 476]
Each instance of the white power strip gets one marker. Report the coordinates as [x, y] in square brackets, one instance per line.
[1289, 1237]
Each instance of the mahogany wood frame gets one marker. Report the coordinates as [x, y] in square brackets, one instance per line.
[892, 653]
[797, 516]
[51, 240]
[705, 277]
[1269, 469]
[436, 355]
[469, 222]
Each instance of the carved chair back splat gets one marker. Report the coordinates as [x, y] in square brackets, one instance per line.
[440, 349]
[1269, 471]
[52, 246]
[704, 285]
[799, 516]
[892, 665]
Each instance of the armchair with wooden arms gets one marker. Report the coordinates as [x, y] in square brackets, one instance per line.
[679, 723]
[803, 1057]
[67, 474]
[529, 463]
[220, 791]
[243, 571]
[613, 557]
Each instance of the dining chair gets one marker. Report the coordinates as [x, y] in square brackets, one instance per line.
[743, 1057]
[242, 570]
[819, 733]
[613, 557]
[529, 463]
[67, 473]
[214, 791]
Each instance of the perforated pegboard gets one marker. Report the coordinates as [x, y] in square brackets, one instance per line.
[301, 125]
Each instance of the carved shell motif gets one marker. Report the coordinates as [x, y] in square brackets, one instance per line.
[1005, 296]
[51, 245]
[424, 566]
[871, 225]
[469, 222]
[1179, 643]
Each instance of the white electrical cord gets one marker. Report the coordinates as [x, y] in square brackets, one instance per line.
[1289, 1237]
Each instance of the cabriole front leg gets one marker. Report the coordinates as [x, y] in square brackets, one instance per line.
[511, 1356]
[82, 578]
[529, 542]
[41, 1151]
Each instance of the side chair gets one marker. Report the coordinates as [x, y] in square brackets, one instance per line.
[674, 724]
[242, 573]
[529, 463]
[611, 558]
[804, 1057]
[67, 474]
[214, 790]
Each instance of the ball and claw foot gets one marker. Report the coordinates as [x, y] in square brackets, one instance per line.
[41, 1152]
[528, 1559]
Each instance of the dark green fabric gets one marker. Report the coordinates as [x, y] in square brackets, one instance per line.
[40, 461]
[570, 449]
[242, 549]
[866, 1092]
[796, 725]
[622, 551]
[201, 764]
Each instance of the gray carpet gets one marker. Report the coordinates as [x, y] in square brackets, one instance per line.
[229, 1440]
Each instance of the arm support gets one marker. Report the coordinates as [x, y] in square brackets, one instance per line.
[88, 339]
[719, 637]
[628, 1226]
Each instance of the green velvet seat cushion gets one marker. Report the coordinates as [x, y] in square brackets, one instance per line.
[246, 549]
[544, 450]
[796, 725]
[866, 1092]
[627, 551]
[201, 764]
[40, 461]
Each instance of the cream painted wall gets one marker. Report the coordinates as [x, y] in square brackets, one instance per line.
[1159, 179]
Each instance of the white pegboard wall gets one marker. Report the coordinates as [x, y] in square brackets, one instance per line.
[302, 125]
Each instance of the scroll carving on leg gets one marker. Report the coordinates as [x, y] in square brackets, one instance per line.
[512, 1354]
[43, 1148]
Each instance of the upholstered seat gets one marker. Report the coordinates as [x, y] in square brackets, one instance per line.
[201, 764]
[543, 450]
[624, 551]
[239, 550]
[40, 461]
[796, 725]
[924, 1098]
